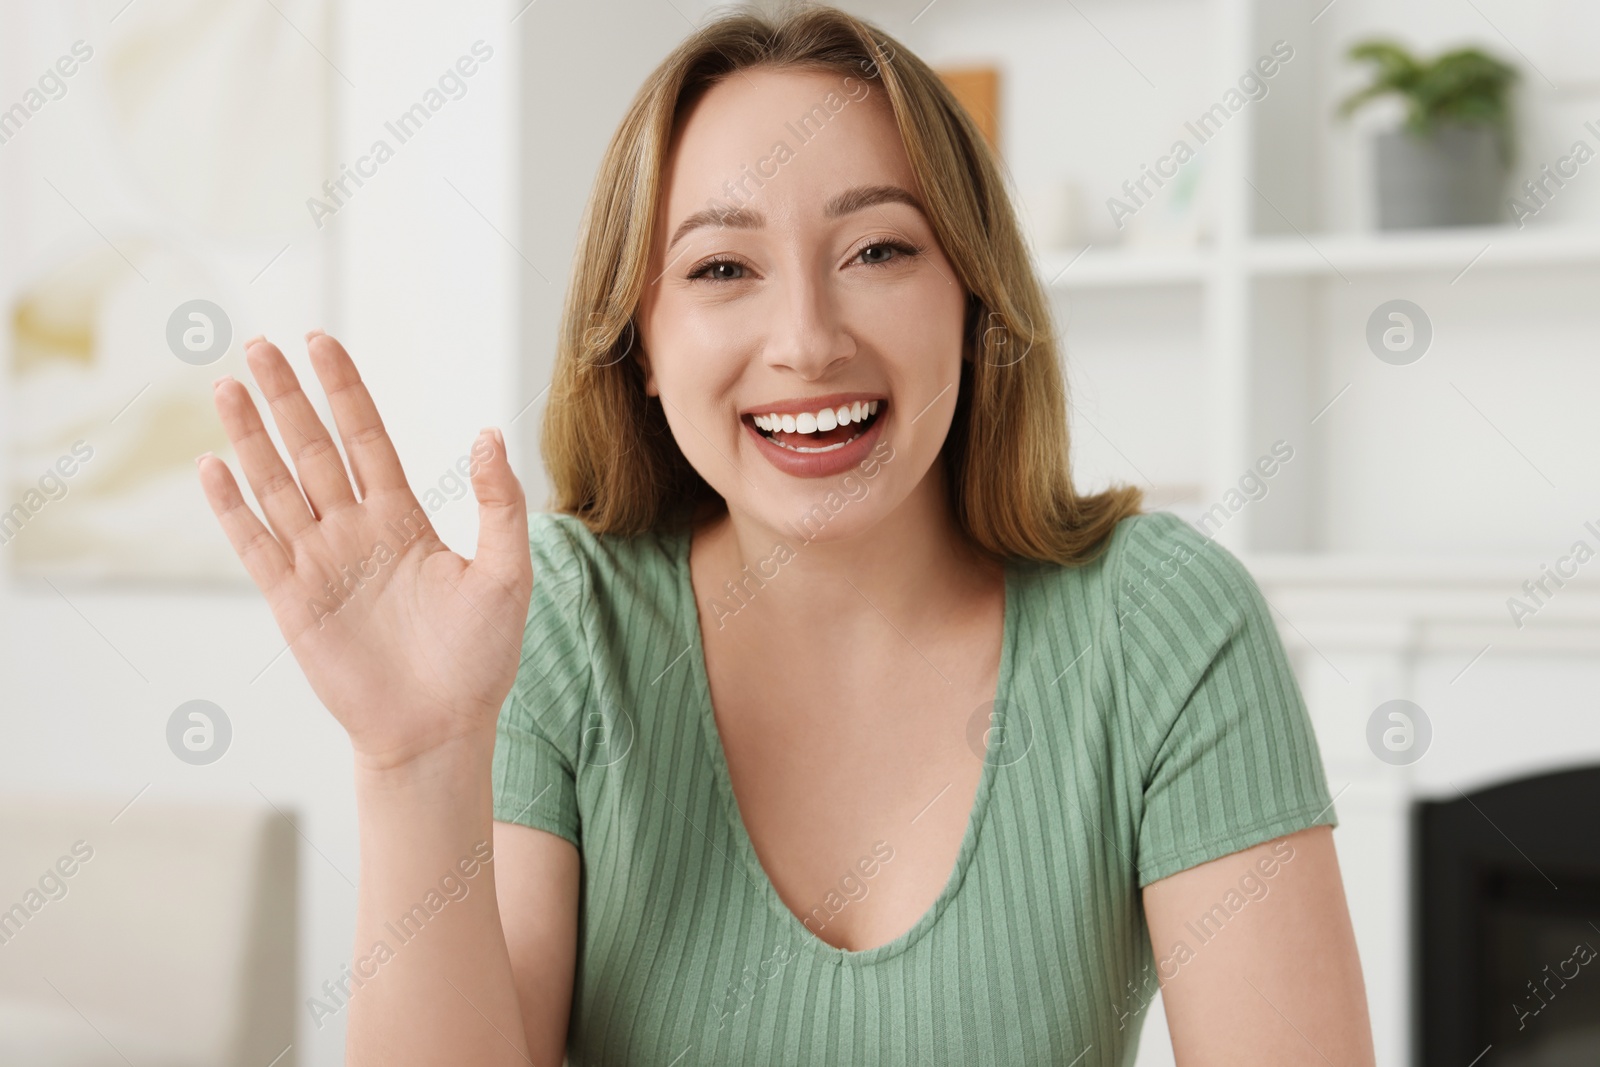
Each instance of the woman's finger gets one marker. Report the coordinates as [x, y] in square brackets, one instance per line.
[275, 488]
[373, 459]
[316, 457]
[263, 558]
[502, 512]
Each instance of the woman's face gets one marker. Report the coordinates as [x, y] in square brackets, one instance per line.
[793, 274]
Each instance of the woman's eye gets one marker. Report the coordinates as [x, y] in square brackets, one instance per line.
[724, 271]
[883, 252]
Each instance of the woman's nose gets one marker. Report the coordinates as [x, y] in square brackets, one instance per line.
[806, 333]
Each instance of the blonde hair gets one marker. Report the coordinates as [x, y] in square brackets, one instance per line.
[611, 456]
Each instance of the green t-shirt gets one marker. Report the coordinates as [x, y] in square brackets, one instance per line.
[1146, 720]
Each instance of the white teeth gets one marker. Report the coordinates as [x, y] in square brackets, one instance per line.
[820, 421]
[824, 448]
[821, 448]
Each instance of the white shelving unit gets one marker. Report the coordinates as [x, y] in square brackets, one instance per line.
[1289, 260]
[1257, 298]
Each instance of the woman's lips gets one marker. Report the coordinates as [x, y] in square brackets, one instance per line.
[821, 452]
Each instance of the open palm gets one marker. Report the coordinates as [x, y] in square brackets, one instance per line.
[407, 643]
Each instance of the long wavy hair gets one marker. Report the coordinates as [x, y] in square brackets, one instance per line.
[610, 454]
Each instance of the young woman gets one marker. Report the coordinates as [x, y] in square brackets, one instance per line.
[823, 722]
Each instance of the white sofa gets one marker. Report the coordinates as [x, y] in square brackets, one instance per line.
[168, 942]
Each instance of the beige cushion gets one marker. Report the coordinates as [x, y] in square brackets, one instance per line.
[172, 943]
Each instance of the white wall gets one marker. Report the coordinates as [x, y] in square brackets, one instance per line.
[427, 300]
[583, 64]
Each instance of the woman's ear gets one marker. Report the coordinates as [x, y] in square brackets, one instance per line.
[973, 338]
[633, 349]
[643, 361]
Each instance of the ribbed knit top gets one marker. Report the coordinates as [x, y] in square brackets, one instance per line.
[1146, 720]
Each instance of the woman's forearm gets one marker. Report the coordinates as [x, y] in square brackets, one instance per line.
[430, 954]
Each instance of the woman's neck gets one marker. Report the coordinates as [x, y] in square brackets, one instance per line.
[914, 560]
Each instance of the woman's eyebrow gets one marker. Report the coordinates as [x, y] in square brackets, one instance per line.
[737, 217]
[851, 200]
[865, 196]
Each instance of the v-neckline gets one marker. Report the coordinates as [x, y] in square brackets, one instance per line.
[745, 846]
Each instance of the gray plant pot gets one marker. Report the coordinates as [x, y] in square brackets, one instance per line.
[1453, 178]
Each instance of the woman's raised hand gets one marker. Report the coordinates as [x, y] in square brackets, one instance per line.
[408, 644]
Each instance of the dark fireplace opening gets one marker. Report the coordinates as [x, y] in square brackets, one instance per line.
[1507, 910]
[1539, 986]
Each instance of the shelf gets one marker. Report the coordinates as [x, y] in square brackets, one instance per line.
[1452, 251]
[1446, 251]
[1105, 266]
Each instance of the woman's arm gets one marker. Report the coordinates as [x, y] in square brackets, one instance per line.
[441, 987]
[1257, 959]
[413, 649]
[537, 878]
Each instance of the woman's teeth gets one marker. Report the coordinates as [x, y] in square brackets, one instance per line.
[822, 421]
[814, 421]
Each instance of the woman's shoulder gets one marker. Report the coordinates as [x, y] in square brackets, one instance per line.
[600, 568]
[598, 599]
[1178, 603]
[1165, 566]
[1156, 583]
[1162, 543]
[569, 544]
[1140, 543]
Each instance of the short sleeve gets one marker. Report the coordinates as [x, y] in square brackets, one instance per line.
[1229, 756]
[535, 751]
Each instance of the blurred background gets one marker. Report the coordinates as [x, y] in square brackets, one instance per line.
[1357, 345]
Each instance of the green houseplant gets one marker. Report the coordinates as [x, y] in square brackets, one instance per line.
[1448, 162]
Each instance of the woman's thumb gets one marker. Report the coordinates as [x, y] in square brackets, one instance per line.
[502, 509]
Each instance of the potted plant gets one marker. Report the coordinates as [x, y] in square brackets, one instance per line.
[1447, 164]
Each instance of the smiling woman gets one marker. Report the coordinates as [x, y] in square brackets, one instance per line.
[938, 199]
[951, 667]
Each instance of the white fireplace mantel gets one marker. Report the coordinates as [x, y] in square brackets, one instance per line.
[1503, 702]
